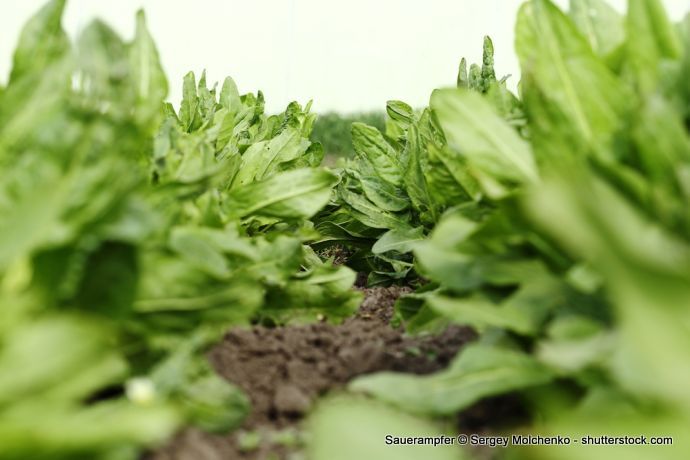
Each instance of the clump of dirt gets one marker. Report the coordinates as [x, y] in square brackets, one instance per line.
[284, 369]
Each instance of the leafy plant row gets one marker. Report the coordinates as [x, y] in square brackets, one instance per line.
[555, 223]
[132, 237]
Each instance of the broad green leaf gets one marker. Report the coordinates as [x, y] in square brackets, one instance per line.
[207, 98]
[651, 39]
[507, 105]
[32, 221]
[325, 293]
[683, 84]
[189, 107]
[210, 402]
[103, 58]
[449, 257]
[82, 361]
[601, 25]
[42, 42]
[449, 177]
[646, 271]
[264, 158]
[612, 415]
[33, 102]
[384, 195]
[523, 312]
[400, 112]
[368, 213]
[146, 70]
[200, 249]
[400, 116]
[571, 94]
[112, 427]
[230, 96]
[663, 143]
[288, 195]
[345, 428]
[370, 145]
[213, 405]
[475, 131]
[574, 355]
[402, 240]
[415, 179]
[480, 313]
[479, 371]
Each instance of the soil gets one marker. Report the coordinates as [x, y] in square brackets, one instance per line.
[284, 369]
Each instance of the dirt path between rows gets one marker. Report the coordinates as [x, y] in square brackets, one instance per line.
[284, 370]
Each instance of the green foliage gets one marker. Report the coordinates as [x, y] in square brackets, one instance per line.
[347, 427]
[574, 260]
[400, 182]
[556, 224]
[479, 371]
[133, 235]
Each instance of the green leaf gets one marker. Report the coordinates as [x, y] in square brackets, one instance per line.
[368, 213]
[370, 145]
[478, 372]
[401, 113]
[601, 25]
[415, 179]
[449, 178]
[113, 427]
[573, 98]
[323, 292]
[645, 269]
[651, 39]
[230, 96]
[263, 159]
[212, 403]
[345, 428]
[42, 42]
[487, 142]
[146, 69]
[103, 58]
[457, 256]
[402, 240]
[384, 195]
[523, 312]
[288, 195]
[82, 361]
[663, 143]
[190, 117]
[576, 354]
[200, 248]
[31, 220]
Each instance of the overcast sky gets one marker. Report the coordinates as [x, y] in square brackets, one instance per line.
[346, 55]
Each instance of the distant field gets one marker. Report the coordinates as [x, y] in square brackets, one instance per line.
[332, 129]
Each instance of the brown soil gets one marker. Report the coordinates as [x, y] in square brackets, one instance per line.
[284, 369]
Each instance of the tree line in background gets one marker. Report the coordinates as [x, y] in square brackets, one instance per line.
[332, 129]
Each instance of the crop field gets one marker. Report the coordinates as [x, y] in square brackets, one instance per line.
[499, 275]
